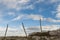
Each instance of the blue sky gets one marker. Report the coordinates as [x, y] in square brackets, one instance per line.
[14, 12]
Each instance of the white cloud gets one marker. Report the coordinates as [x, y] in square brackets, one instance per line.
[47, 1]
[25, 7]
[2, 30]
[1, 16]
[23, 1]
[19, 17]
[12, 31]
[11, 13]
[31, 16]
[44, 28]
[14, 3]
[51, 27]
[58, 15]
[58, 8]
[52, 20]
[9, 3]
[58, 11]
[30, 7]
[35, 17]
[20, 4]
[38, 1]
[54, 1]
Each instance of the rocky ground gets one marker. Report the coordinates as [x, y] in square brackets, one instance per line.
[54, 32]
[34, 38]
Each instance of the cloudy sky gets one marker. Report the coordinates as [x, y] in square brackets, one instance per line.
[14, 12]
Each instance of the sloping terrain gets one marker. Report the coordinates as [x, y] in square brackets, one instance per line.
[50, 35]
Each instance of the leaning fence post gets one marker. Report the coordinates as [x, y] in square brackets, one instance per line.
[24, 29]
[5, 33]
